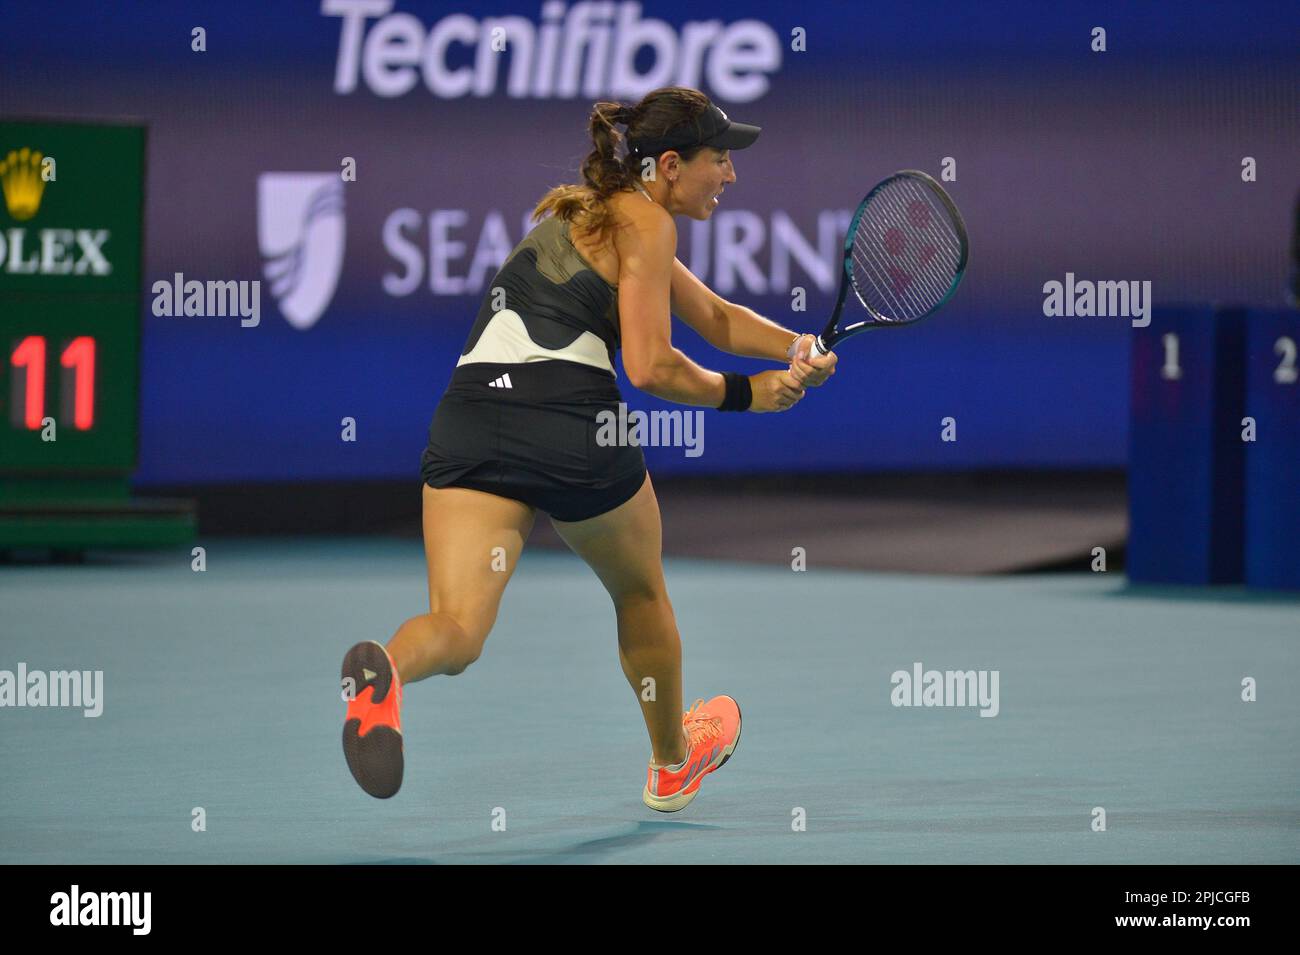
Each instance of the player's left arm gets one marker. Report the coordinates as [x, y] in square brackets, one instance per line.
[738, 330]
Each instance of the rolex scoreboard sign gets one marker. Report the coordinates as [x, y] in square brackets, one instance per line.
[70, 309]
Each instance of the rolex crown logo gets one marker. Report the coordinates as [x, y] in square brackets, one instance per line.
[20, 176]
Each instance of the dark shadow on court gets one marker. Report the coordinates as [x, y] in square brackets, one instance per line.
[1230, 594]
[641, 834]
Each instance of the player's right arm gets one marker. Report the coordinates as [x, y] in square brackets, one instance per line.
[647, 247]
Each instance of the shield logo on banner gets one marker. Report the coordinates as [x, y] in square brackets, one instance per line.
[301, 230]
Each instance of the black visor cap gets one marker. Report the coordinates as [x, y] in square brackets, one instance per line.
[711, 128]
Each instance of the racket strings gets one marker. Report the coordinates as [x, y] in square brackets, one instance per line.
[889, 208]
[876, 302]
[938, 213]
[914, 277]
[883, 294]
[871, 270]
[933, 215]
[919, 274]
[906, 252]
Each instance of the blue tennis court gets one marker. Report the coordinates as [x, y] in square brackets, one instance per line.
[220, 691]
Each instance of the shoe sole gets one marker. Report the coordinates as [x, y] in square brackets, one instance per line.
[680, 801]
[376, 758]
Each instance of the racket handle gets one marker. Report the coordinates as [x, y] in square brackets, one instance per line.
[815, 350]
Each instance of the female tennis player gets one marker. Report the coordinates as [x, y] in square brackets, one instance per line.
[515, 432]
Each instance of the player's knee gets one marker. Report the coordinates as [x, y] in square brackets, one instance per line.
[469, 653]
[468, 632]
[639, 593]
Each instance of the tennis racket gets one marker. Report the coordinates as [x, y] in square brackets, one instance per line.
[904, 255]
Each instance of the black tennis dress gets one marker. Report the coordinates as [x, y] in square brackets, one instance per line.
[519, 418]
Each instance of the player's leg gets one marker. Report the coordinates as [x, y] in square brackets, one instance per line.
[623, 547]
[472, 543]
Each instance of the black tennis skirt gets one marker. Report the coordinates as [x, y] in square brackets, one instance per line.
[527, 431]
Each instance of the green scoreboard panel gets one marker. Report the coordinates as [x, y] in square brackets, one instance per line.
[70, 238]
[70, 313]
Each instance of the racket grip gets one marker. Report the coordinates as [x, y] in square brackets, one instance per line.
[815, 350]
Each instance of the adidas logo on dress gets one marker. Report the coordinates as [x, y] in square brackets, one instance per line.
[502, 382]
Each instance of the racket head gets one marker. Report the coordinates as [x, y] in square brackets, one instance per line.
[905, 253]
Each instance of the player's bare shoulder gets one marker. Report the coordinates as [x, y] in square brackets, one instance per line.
[634, 205]
[640, 221]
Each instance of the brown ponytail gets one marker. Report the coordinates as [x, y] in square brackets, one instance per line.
[605, 171]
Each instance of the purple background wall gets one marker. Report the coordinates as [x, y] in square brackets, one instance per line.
[1117, 165]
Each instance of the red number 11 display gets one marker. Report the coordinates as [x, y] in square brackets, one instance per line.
[27, 395]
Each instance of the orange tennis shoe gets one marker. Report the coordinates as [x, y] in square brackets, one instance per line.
[372, 729]
[712, 731]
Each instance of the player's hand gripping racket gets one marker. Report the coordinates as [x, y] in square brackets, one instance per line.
[904, 255]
